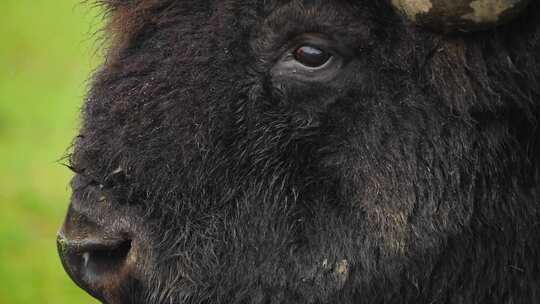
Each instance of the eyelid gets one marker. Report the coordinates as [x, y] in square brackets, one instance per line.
[315, 40]
[330, 61]
[292, 69]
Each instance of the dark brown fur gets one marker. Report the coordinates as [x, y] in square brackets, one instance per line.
[413, 178]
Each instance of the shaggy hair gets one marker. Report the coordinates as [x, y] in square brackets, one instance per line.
[411, 178]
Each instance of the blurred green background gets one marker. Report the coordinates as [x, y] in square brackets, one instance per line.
[48, 49]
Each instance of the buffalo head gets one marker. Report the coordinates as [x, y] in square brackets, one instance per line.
[249, 151]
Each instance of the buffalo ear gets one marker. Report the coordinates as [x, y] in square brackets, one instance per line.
[460, 15]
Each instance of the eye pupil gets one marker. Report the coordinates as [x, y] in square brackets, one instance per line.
[311, 57]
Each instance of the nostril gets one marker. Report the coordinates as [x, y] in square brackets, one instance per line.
[101, 267]
[100, 261]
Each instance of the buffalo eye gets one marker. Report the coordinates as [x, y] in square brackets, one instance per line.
[311, 56]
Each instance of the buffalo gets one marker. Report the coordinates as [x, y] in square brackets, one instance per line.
[310, 151]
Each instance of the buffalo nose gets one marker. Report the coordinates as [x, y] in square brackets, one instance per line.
[100, 262]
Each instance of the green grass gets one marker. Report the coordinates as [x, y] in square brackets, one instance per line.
[47, 52]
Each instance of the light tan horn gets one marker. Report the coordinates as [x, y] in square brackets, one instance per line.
[460, 15]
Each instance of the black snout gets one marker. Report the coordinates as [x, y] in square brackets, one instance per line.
[101, 262]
